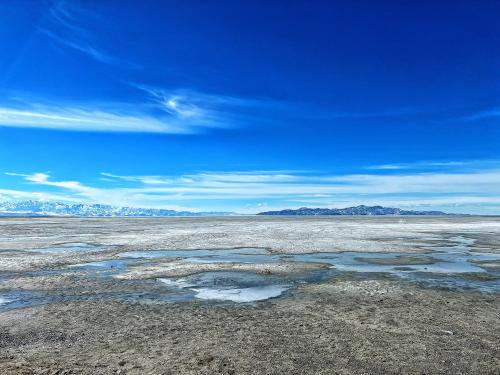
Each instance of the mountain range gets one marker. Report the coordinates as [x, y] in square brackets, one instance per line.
[351, 211]
[47, 208]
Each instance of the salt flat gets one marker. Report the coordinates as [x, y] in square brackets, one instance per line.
[287, 234]
[219, 295]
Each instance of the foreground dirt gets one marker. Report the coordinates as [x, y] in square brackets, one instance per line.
[339, 327]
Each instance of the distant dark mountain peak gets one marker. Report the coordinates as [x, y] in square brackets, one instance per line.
[352, 211]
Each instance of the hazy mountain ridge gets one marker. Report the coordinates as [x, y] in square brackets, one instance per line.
[39, 208]
[351, 211]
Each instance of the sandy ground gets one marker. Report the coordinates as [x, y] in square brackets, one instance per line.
[343, 327]
[351, 324]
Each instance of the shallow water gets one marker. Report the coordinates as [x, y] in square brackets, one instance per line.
[453, 259]
[359, 262]
[114, 266]
[4, 300]
[241, 286]
[443, 266]
[238, 255]
[18, 299]
[229, 286]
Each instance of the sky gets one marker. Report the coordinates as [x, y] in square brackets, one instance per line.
[248, 106]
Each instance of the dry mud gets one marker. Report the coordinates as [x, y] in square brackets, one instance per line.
[349, 323]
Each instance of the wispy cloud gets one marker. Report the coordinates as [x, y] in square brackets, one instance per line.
[79, 46]
[426, 165]
[41, 178]
[202, 178]
[235, 184]
[242, 191]
[160, 111]
[64, 27]
[389, 166]
[216, 110]
[490, 113]
[82, 118]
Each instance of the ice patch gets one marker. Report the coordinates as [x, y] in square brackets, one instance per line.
[241, 294]
[102, 264]
[112, 265]
[179, 283]
[232, 286]
[4, 300]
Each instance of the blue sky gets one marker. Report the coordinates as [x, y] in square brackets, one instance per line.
[249, 106]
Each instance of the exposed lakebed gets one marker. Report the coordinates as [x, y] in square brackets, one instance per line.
[241, 274]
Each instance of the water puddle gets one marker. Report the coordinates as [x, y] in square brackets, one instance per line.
[238, 255]
[240, 286]
[4, 300]
[114, 265]
[229, 286]
[392, 262]
[455, 266]
[19, 299]
[456, 259]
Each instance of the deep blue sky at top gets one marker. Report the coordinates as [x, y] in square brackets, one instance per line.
[333, 87]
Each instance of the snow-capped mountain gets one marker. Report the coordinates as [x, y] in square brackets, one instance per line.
[358, 210]
[41, 208]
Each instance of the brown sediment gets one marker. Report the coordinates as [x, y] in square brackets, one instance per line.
[344, 326]
[488, 264]
[180, 268]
